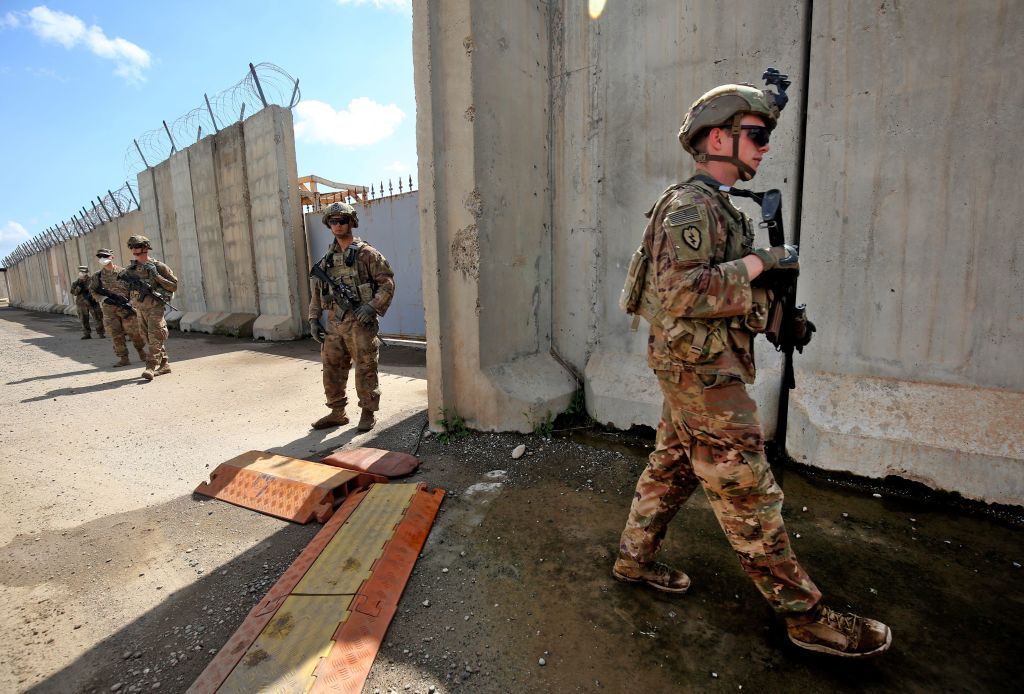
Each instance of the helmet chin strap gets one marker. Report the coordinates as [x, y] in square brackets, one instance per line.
[745, 172]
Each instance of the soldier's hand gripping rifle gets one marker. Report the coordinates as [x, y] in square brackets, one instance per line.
[144, 289]
[117, 300]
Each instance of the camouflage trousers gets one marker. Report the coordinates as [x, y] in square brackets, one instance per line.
[119, 326]
[349, 342]
[154, 329]
[710, 435]
[86, 312]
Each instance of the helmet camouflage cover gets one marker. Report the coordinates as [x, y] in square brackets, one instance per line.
[338, 209]
[139, 242]
[720, 106]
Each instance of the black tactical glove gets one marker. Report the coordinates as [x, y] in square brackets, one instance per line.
[316, 330]
[779, 258]
[365, 314]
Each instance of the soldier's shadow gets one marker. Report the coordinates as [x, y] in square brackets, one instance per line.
[99, 387]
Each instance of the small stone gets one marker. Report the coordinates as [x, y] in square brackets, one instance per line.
[425, 603]
[877, 495]
[1016, 565]
[518, 451]
[116, 686]
[804, 509]
[444, 570]
[846, 515]
[126, 655]
[542, 662]
[873, 591]
[714, 675]
[466, 618]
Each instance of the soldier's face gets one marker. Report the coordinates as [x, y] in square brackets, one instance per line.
[751, 153]
[141, 254]
[339, 229]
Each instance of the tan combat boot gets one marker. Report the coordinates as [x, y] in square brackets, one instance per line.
[164, 368]
[122, 361]
[336, 418]
[657, 575]
[150, 373]
[366, 420]
[824, 630]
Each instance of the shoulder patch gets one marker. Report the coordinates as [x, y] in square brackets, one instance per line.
[687, 229]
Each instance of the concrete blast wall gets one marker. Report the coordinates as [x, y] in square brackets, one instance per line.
[544, 136]
[225, 215]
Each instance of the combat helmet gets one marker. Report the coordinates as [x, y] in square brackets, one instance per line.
[340, 209]
[725, 106]
[139, 242]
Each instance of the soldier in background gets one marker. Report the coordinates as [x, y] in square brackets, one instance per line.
[119, 318]
[85, 302]
[151, 284]
[351, 335]
[703, 273]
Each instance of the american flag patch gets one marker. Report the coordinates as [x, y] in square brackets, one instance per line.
[686, 215]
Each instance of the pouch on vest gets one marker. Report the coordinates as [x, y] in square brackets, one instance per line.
[630, 300]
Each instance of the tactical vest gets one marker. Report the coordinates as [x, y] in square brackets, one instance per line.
[695, 340]
[342, 267]
[135, 270]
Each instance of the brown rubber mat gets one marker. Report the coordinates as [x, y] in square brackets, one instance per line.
[289, 488]
[374, 460]
[320, 626]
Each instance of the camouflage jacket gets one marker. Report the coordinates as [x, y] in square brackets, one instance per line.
[368, 275]
[106, 278]
[163, 285]
[695, 239]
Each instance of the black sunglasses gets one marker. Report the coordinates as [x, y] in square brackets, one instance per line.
[339, 220]
[758, 134]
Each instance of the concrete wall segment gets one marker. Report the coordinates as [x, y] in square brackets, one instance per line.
[190, 297]
[271, 176]
[485, 225]
[903, 206]
[233, 197]
[167, 249]
[208, 230]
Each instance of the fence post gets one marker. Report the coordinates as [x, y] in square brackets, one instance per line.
[174, 147]
[208, 108]
[259, 87]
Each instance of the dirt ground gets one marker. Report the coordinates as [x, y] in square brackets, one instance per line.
[116, 578]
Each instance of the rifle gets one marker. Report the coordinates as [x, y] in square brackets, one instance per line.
[113, 299]
[788, 327]
[144, 289]
[340, 292]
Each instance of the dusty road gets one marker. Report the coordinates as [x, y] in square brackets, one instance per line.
[115, 578]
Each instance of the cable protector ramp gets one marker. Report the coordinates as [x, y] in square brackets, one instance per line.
[320, 627]
[289, 488]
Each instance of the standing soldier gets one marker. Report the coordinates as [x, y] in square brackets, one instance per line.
[86, 304]
[151, 284]
[701, 277]
[356, 284]
[119, 317]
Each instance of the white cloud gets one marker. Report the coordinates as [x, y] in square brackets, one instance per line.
[70, 31]
[402, 5]
[9, 21]
[13, 233]
[364, 122]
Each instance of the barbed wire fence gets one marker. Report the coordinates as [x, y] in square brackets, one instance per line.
[264, 84]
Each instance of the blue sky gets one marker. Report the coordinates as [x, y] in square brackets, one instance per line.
[80, 80]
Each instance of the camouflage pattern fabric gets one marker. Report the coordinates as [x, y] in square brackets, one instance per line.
[87, 311]
[348, 342]
[118, 322]
[695, 239]
[709, 433]
[151, 311]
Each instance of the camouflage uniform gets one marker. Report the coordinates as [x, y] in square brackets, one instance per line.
[87, 309]
[709, 432]
[118, 321]
[150, 310]
[347, 340]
